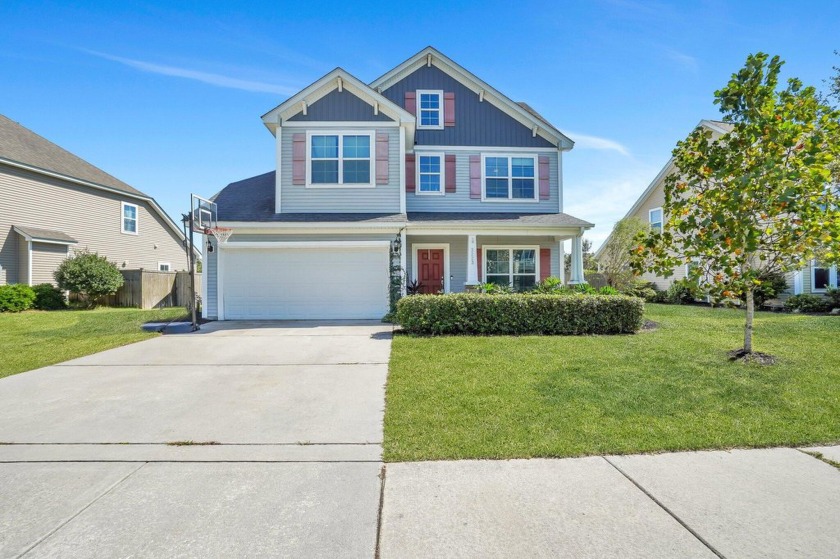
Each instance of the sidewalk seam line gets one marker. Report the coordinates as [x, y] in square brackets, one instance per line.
[377, 550]
[673, 515]
[80, 511]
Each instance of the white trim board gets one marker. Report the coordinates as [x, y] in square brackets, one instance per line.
[304, 244]
[447, 270]
[123, 230]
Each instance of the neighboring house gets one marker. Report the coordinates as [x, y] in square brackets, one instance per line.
[52, 202]
[428, 157]
[648, 208]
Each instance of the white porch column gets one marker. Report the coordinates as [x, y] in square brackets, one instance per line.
[403, 260]
[577, 260]
[472, 260]
[797, 283]
[561, 258]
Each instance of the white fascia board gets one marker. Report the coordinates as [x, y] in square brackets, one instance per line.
[261, 226]
[323, 86]
[165, 216]
[473, 82]
[305, 244]
[493, 230]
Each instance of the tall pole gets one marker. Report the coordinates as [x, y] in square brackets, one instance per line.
[192, 271]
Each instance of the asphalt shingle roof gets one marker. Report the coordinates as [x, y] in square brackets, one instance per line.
[252, 199]
[21, 145]
[46, 234]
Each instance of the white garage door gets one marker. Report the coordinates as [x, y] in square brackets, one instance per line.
[305, 283]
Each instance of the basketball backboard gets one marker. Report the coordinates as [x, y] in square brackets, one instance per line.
[204, 213]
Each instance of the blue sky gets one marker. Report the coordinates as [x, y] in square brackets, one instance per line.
[167, 95]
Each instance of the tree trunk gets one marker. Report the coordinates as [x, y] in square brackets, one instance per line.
[748, 328]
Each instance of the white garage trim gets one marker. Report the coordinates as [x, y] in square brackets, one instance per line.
[306, 244]
[258, 283]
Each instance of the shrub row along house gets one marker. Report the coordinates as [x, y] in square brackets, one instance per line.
[52, 202]
[814, 279]
[428, 157]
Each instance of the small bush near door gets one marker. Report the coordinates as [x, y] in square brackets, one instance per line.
[49, 298]
[469, 313]
[16, 297]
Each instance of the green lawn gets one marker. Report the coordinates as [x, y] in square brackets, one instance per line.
[667, 389]
[35, 339]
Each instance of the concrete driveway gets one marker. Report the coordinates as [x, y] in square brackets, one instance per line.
[294, 412]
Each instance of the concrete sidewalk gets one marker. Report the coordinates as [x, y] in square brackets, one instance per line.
[773, 503]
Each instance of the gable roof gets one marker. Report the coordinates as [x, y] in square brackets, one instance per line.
[23, 148]
[524, 114]
[49, 235]
[337, 79]
[715, 126]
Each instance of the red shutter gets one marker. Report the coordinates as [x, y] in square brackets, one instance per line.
[449, 109]
[545, 189]
[475, 176]
[545, 263]
[478, 264]
[299, 158]
[410, 177]
[449, 172]
[382, 159]
[411, 102]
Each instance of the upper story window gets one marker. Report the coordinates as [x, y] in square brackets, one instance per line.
[509, 177]
[338, 158]
[655, 218]
[430, 109]
[429, 174]
[129, 218]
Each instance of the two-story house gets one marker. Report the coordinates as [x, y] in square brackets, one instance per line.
[814, 279]
[428, 157]
[53, 202]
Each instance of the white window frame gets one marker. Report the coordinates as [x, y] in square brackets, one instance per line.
[511, 248]
[832, 277]
[661, 221]
[510, 198]
[340, 184]
[439, 93]
[123, 230]
[162, 264]
[439, 155]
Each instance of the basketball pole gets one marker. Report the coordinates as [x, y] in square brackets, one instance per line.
[192, 270]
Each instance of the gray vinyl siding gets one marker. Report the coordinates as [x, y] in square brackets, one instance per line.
[458, 253]
[477, 123]
[211, 305]
[340, 106]
[90, 216]
[383, 198]
[45, 259]
[460, 201]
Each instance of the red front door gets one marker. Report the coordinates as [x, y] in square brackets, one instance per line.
[430, 270]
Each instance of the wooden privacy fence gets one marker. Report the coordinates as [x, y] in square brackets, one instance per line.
[148, 289]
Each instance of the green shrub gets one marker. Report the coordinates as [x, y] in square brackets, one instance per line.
[583, 288]
[48, 297]
[607, 290]
[472, 313]
[89, 275]
[772, 284]
[639, 288]
[495, 288]
[682, 292]
[16, 297]
[833, 297]
[549, 285]
[808, 303]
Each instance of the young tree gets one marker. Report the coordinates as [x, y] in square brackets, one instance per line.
[90, 275]
[757, 200]
[614, 261]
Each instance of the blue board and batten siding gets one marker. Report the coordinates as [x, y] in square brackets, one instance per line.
[340, 106]
[477, 123]
[383, 198]
[460, 201]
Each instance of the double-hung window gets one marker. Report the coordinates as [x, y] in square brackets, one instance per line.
[509, 177]
[429, 174]
[514, 267]
[129, 218]
[820, 277]
[430, 109]
[655, 218]
[336, 159]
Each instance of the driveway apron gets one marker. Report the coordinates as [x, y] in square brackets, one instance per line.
[243, 439]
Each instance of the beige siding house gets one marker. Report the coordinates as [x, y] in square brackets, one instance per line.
[814, 279]
[52, 203]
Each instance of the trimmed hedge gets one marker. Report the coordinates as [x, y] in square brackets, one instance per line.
[470, 313]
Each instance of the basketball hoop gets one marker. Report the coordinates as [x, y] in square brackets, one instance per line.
[222, 234]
